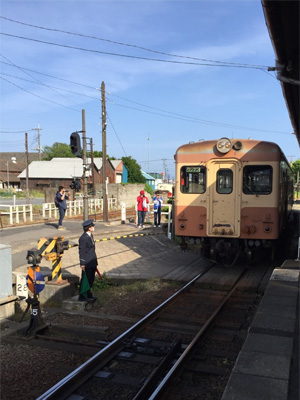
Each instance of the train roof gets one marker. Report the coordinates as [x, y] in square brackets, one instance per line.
[246, 149]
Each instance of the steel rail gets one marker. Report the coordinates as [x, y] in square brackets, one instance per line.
[162, 387]
[76, 378]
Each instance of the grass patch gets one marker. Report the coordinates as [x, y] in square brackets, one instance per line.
[106, 291]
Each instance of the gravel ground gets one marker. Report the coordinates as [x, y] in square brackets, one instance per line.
[27, 371]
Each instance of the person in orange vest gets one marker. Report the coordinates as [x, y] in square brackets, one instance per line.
[142, 208]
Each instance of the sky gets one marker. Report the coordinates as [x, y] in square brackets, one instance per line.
[174, 72]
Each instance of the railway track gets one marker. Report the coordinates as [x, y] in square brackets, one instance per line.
[171, 350]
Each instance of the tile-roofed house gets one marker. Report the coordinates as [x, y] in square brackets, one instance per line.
[9, 170]
[62, 171]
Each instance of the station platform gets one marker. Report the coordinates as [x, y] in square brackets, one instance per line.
[268, 364]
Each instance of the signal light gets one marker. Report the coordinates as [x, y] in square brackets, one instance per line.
[75, 185]
[75, 144]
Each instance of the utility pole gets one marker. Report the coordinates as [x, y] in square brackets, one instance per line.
[165, 169]
[291, 159]
[148, 138]
[38, 129]
[27, 169]
[93, 169]
[85, 171]
[105, 208]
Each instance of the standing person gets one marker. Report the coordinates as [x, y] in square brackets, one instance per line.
[142, 208]
[88, 258]
[61, 198]
[157, 201]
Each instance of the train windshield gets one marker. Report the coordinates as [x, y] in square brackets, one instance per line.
[224, 181]
[193, 180]
[257, 179]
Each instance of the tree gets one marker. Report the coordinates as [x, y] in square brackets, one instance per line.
[296, 169]
[99, 154]
[57, 150]
[134, 170]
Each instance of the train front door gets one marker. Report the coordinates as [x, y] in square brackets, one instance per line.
[224, 198]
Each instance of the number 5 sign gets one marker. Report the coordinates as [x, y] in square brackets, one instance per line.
[21, 286]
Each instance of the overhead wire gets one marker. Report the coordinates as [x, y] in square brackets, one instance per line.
[160, 112]
[136, 46]
[116, 134]
[218, 64]
[37, 80]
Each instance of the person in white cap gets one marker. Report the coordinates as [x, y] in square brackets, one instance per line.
[88, 258]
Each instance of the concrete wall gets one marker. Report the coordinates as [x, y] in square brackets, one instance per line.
[126, 193]
[123, 193]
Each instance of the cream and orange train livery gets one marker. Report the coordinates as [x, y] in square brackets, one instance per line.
[231, 195]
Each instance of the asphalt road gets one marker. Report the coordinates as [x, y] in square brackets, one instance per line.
[23, 238]
[19, 202]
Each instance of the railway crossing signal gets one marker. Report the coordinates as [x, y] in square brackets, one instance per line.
[52, 249]
[35, 280]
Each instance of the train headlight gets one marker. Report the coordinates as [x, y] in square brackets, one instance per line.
[224, 145]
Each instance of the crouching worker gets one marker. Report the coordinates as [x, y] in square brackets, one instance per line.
[88, 261]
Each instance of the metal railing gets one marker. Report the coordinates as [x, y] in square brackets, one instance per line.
[75, 207]
[15, 214]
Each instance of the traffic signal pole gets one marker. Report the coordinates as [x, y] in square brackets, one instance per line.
[85, 171]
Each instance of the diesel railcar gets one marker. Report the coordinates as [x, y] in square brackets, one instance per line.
[231, 195]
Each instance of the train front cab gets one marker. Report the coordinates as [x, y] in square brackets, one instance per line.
[233, 202]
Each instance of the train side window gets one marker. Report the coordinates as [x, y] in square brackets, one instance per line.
[257, 179]
[193, 180]
[224, 181]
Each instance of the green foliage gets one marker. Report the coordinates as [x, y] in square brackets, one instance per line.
[101, 284]
[99, 154]
[134, 170]
[296, 169]
[148, 189]
[20, 195]
[57, 150]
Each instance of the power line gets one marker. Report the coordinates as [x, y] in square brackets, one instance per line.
[137, 47]
[37, 80]
[160, 112]
[116, 135]
[48, 75]
[36, 95]
[201, 121]
[24, 131]
[214, 64]
[48, 86]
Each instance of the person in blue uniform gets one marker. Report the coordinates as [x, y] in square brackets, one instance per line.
[61, 197]
[87, 257]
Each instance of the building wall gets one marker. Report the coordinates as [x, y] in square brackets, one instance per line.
[43, 183]
[110, 173]
[126, 193]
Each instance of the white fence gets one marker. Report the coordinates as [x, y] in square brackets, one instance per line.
[150, 211]
[17, 213]
[76, 207]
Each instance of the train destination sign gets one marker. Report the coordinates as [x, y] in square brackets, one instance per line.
[193, 169]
